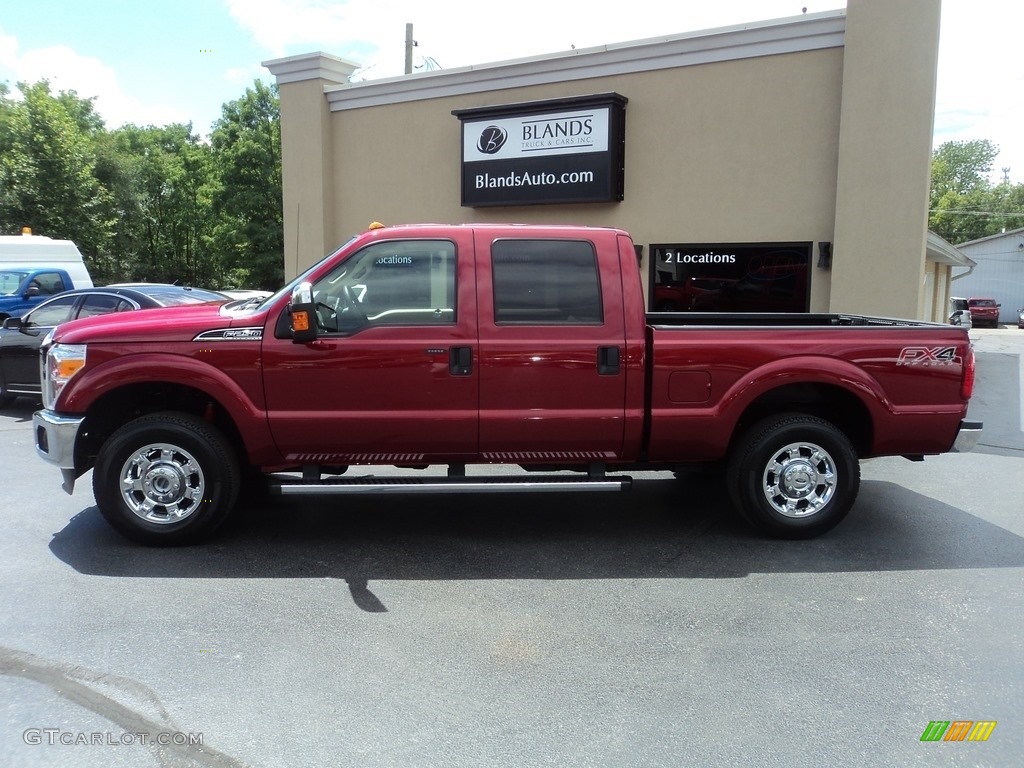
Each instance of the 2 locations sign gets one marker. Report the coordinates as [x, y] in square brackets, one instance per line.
[559, 151]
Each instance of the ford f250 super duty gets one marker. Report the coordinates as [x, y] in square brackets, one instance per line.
[483, 345]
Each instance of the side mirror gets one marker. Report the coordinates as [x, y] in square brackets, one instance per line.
[303, 314]
[32, 290]
[12, 323]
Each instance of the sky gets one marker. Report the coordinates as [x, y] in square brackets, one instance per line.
[156, 62]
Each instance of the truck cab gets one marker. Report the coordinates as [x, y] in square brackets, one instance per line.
[33, 267]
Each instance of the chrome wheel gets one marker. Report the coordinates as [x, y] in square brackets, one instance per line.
[166, 479]
[162, 483]
[799, 480]
[793, 475]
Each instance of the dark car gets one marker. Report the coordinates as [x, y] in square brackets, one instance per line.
[984, 312]
[21, 337]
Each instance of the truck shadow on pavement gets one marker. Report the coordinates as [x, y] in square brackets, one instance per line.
[657, 531]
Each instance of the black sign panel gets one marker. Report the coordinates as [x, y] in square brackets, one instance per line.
[724, 277]
[558, 151]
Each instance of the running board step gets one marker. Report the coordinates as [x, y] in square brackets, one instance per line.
[441, 484]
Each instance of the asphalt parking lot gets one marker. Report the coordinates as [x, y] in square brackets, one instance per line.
[641, 629]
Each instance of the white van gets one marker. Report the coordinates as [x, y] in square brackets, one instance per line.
[33, 267]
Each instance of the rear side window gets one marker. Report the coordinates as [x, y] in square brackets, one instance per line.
[546, 282]
[102, 304]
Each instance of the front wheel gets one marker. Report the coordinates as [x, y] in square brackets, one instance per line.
[166, 479]
[793, 476]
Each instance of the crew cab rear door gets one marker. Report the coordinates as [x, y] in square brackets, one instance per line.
[552, 348]
[392, 376]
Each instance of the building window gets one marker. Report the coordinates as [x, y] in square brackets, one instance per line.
[723, 277]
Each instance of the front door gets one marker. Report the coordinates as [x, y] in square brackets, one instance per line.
[392, 377]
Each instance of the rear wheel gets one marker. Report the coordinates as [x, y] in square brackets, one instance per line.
[793, 476]
[166, 479]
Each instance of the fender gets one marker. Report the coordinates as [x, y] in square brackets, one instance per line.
[153, 368]
[702, 433]
[805, 369]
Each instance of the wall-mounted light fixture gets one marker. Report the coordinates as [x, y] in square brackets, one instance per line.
[824, 255]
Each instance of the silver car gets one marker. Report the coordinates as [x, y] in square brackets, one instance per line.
[959, 312]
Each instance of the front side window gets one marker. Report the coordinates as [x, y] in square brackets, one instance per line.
[10, 282]
[401, 282]
[102, 304]
[546, 282]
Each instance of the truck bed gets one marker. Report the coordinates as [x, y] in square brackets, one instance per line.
[777, 319]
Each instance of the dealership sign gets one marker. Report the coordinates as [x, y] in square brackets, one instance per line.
[559, 151]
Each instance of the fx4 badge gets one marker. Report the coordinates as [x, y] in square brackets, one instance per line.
[928, 356]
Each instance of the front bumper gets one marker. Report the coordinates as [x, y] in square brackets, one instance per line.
[967, 437]
[55, 438]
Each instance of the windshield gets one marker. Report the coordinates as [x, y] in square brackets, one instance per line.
[9, 282]
[173, 296]
[983, 302]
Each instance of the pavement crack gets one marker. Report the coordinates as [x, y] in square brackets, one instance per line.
[79, 685]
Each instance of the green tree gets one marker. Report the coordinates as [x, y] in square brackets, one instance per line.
[249, 233]
[964, 204]
[962, 167]
[47, 164]
[148, 203]
[158, 180]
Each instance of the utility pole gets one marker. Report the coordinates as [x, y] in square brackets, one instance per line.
[409, 45]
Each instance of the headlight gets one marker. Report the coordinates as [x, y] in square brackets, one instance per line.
[62, 362]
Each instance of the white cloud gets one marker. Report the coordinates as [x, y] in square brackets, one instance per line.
[279, 25]
[246, 75]
[89, 77]
[981, 79]
[8, 51]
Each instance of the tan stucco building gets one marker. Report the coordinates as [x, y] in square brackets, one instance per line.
[812, 132]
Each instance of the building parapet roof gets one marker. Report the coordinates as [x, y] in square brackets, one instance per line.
[811, 31]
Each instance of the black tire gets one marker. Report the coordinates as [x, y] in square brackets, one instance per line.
[6, 401]
[793, 476]
[166, 479]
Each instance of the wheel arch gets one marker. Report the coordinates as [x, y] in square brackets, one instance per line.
[117, 407]
[831, 402]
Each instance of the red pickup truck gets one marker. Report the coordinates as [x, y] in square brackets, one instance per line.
[484, 345]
